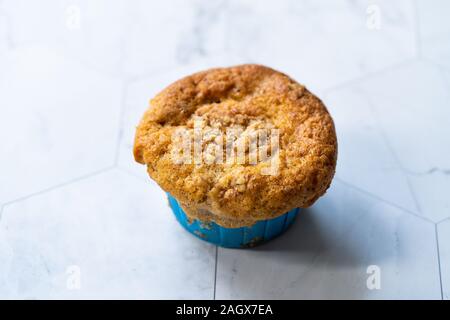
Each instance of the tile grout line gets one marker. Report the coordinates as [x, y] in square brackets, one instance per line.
[443, 220]
[381, 130]
[405, 172]
[127, 172]
[415, 215]
[369, 75]
[369, 194]
[427, 172]
[392, 151]
[121, 120]
[131, 174]
[439, 260]
[413, 194]
[215, 272]
[407, 176]
[57, 186]
[151, 73]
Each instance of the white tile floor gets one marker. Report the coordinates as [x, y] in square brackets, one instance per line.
[76, 75]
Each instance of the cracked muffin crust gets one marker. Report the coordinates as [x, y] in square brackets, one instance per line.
[236, 194]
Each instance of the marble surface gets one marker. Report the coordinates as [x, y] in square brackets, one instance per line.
[79, 219]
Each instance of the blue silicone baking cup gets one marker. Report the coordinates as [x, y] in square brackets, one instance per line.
[244, 237]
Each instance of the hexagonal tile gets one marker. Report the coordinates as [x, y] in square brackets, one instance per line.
[92, 32]
[411, 105]
[58, 121]
[112, 232]
[364, 158]
[434, 30]
[173, 37]
[444, 250]
[320, 43]
[333, 250]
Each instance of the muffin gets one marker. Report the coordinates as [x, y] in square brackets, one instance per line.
[238, 150]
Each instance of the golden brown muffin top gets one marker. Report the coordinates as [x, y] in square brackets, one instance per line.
[247, 99]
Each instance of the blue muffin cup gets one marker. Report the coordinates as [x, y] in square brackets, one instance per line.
[244, 237]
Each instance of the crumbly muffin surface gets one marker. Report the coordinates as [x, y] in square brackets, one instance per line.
[248, 97]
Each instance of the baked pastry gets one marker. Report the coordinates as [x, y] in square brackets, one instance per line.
[244, 100]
